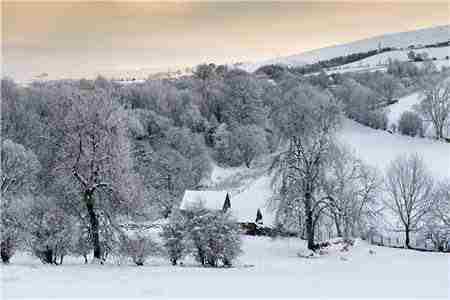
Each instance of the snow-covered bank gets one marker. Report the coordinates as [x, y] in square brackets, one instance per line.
[266, 269]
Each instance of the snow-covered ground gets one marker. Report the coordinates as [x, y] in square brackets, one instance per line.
[267, 269]
[404, 104]
[378, 148]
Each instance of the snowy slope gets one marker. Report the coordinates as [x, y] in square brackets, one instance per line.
[378, 148]
[402, 55]
[267, 269]
[379, 62]
[398, 40]
[404, 104]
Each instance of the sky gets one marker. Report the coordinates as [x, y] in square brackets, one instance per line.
[73, 39]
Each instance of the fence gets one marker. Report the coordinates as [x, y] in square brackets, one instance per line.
[399, 242]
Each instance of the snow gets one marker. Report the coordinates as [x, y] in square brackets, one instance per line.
[213, 200]
[267, 269]
[378, 148]
[253, 197]
[399, 40]
[404, 104]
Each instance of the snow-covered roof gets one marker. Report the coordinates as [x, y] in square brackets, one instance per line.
[213, 200]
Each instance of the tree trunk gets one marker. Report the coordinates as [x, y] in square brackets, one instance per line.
[309, 220]
[4, 251]
[93, 220]
[407, 241]
[47, 256]
[338, 226]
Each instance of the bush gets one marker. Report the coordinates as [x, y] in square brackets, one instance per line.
[10, 228]
[82, 245]
[174, 235]
[215, 236]
[410, 124]
[377, 120]
[51, 231]
[138, 247]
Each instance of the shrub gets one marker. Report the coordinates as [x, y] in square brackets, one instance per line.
[138, 247]
[10, 228]
[410, 124]
[215, 236]
[174, 235]
[51, 231]
[377, 120]
[82, 246]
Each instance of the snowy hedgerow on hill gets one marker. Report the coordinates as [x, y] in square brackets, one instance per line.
[175, 239]
[410, 124]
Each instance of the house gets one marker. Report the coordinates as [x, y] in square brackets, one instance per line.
[213, 200]
[221, 200]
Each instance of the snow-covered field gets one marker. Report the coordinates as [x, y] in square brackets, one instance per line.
[267, 269]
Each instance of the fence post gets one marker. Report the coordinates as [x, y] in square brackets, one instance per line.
[382, 244]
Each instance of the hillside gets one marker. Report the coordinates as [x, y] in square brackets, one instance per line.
[251, 189]
[397, 40]
[379, 62]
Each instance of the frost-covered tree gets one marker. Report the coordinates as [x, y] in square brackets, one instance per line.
[409, 189]
[243, 99]
[350, 189]
[308, 119]
[435, 106]
[19, 168]
[251, 141]
[441, 210]
[95, 153]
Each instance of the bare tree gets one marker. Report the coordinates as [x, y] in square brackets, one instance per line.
[435, 106]
[442, 205]
[351, 189]
[409, 190]
[96, 153]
